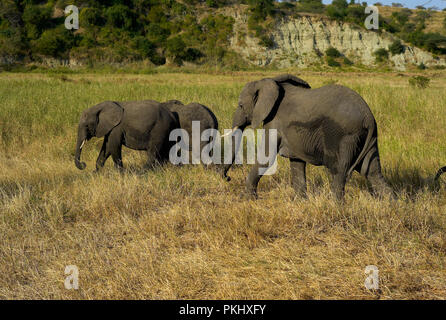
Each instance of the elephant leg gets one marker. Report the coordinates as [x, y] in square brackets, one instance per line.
[253, 180]
[157, 148]
[152, 157]
[375, 177]
[114, 148]
[298, 177]
[337, 185]
[103, 155]
[263, 164]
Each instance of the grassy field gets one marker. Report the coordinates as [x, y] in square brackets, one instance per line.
[183, 232]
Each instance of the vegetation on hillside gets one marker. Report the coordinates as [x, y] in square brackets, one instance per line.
[171, 31]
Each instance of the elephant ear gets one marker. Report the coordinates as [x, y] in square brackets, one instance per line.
[110, 115]
[267, 92]
[295, 81]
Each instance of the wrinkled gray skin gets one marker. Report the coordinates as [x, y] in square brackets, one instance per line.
[439, 173]
[331, 126]
[138, 125]
[185, 114]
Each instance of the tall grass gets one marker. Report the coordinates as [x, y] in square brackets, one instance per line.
[183, 232]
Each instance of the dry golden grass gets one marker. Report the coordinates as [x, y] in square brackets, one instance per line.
[182, 232]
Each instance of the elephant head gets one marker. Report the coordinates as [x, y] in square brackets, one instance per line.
[258, 99]
[96, 121]
[257, 104]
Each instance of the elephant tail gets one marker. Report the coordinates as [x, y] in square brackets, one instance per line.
[367, 151]
[439, 173]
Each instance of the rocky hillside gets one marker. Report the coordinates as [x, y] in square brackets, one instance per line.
[229, 33]
[302, 41]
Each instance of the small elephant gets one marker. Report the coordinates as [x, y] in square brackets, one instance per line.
[439, 173]
[138, 125]
[331, 126]
[192, 112]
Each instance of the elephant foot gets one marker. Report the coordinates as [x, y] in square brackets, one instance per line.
[223, 173]
[250, 194]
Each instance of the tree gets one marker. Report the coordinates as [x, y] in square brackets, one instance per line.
[396, 47]
[332, 52]
[261, 9]
[54, 42]
[381, 55]
[120, 16]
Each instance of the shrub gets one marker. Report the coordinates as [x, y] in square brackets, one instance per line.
[36, 19]
[120, 16]
[421, 66]
[54, 42]
[347, 61]
[176, 46]
[91, 17]
[332, 62]
[157, 34]
[419, 82]
[332, 52]
[313, 6]
[144, 47]
[335, 13]
[381, 55]
[396, 47]
[192, 54]
[266, 41]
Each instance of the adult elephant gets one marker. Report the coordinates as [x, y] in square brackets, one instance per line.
[186, 114]
[139, 125]
[439, 173]
[331, 126]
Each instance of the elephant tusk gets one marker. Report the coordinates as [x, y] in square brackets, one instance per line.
[82, 144]
[230, 132]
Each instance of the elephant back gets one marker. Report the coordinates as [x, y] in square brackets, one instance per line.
[194, 112]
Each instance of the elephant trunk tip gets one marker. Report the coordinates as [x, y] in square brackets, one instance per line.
[80, 165]
[77, 159]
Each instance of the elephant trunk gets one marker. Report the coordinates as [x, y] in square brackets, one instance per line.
[81, 138]
[439, 173]
[239, 122]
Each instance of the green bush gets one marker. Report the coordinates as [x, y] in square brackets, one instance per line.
[36, 19]
[157, 34]
[313, 6]
[176, 46]
[347, 61]
[120, 16]
[332, 62]
[266, 41]
[145, 48]
[192, 54]
[421, 66]
[396, 47]
[91, 17]
[54, 42]
[381, 55]
[419, 82]
[332, 52]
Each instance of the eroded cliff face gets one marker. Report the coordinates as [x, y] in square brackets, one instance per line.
[302, 42]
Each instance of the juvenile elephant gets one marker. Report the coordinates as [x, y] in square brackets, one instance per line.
[331, 126]
[192, 112]
[139, 125]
